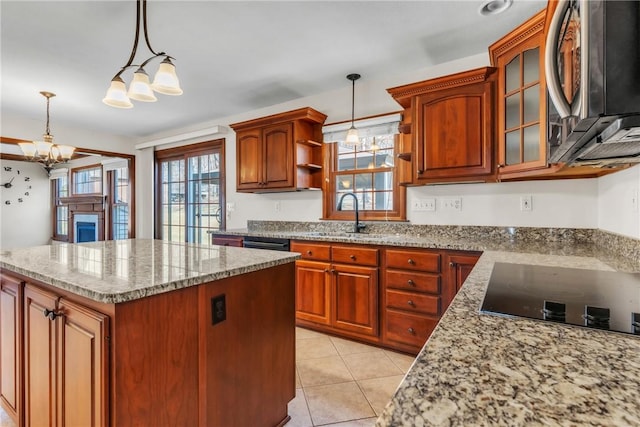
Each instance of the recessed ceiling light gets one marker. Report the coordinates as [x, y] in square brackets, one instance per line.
[494, 7]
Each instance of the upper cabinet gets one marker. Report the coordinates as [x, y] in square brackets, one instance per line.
[452, 126]
[282, 152]
[521, 97]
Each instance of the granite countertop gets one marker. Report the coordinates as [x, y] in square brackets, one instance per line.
[117, 271]
[485, 370]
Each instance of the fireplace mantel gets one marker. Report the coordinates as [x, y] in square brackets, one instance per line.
[83, 200]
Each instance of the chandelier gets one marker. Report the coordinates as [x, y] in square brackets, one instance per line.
[165, 80]
[45, 151]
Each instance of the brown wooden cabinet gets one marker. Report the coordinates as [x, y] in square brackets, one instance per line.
[226, 240]
[337, 288]
[11, 345]
[66, 361]
[453, 126]
[282, 152]
[457, 267]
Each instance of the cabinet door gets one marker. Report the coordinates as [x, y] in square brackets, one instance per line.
[278, 156]
[249, 160]
[454, 133]
[355, 298]
[10, 347]
[39, 357]
[82, 366]
[313, 291]
[458, 266]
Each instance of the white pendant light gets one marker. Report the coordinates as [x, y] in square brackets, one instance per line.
[165, 81]
[352, 134]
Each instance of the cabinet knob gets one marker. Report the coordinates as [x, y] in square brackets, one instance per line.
[500, 166]
[420, 171]
[51, 314]
[326, 270]
[411, 331]
[353, 257]
[410, 261]
[411, 282]
[309, 253]
[411, 303]
[452, 264]
[333, 271]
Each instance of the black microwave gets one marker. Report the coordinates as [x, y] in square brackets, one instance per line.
[592, 67]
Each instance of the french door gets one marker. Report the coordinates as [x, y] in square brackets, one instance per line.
[190, 192]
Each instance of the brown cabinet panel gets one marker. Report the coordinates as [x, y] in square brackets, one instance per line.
[278, 156]
[413, 281]
[356, 299]
[354, 255]
[10, 345]
[312, 251]
[414, 302]
[458, 266]
[409, 329]
[39, 357]
[313, 291]
[249, 159]
[413, 260]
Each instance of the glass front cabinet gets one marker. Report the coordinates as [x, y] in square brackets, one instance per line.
[519, 57]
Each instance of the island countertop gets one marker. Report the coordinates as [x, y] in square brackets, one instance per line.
[486, 370]
[116, 271]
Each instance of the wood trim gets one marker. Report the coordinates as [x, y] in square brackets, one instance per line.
[365, 118]
[307, 114]
[518, 35]
[404, 94]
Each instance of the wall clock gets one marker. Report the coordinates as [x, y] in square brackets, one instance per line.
[16, 187]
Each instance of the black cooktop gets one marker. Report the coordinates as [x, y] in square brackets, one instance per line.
[592, 298]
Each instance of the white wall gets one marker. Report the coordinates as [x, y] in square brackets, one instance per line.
[27, 223]
[618, 205]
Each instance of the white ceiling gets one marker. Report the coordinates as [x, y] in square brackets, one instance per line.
[231, 56]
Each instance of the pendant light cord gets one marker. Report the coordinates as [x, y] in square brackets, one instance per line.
[47, 129]
[353, 100]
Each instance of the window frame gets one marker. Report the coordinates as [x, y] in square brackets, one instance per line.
[55, 204]
[72, 180]
[184, 153]
[112, 185]
[330, 153]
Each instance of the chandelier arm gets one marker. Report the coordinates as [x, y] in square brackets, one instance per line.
[146, 34]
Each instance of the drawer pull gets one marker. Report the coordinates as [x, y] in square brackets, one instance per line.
[411, 331]
[410, 261]
[326, 270]
[411, 303]
[411, 282]
[51, 314]
[452, 264]
[309, 253]
[353, 257]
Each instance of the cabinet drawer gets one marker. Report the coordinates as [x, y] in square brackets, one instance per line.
[413, 281]
[354, 255]
[408, 328]
[412, 301]
[228, 241]
[413, 260]
[313, 251]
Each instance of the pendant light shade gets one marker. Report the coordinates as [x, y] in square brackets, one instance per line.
[117, 95]
[165, 81]
[352, 134]
[140, 89]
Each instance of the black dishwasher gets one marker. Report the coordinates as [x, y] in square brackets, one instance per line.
[271, 243]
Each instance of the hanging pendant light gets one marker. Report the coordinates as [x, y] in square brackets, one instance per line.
[352, 134]
[165, 81]
[45, 151]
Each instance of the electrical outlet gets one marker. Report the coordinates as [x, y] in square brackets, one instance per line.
[423, 205]
[452, 204]
[277, 206]
[218, 309]
[526, 203]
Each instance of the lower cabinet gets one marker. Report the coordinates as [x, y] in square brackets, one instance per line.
[10, 345]
[65, 361]
[392, 297]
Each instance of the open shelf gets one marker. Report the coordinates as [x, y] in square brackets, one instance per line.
[404, 156]
[309, 166]
[309, 142]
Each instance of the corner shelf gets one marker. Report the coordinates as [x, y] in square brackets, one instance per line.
[309, 166]
[309, 142]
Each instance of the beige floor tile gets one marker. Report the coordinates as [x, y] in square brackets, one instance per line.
[323, 370]
[298, 382]
[302, 334]
[313, 348]
[350, 347]
[5, 419]
[402, 361]
[373, 364]
[367, 422]
[299, 411]
[337, 403]
[378, 391]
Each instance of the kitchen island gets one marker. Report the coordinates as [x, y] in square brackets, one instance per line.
[147, 332]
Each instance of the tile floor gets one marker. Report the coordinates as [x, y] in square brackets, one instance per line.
[339, 383]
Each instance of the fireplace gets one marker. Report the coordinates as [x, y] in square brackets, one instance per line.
[85, 227]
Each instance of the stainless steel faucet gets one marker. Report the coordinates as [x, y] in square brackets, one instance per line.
[357, 227]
